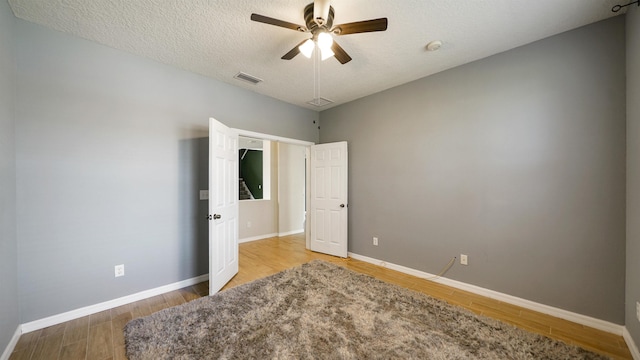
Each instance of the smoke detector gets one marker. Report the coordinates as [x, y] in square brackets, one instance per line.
[434, 45]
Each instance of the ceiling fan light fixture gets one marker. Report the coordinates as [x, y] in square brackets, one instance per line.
[325, 41]
[326, 53]
[307, 48]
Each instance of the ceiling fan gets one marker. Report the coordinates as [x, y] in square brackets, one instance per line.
[318, 17]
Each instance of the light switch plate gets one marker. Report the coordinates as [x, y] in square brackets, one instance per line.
[204, 194]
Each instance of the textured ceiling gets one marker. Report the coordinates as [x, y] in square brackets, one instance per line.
[215, 38]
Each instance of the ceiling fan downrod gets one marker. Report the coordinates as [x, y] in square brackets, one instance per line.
[313, 26]
[321, 10]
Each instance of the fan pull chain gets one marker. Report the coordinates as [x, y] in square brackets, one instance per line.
[316, 77]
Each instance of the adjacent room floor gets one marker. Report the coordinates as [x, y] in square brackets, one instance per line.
[99, 336]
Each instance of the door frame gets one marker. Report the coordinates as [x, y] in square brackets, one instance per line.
[307, 145]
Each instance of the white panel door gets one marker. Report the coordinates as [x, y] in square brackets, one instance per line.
[329, 210]
[223, 205]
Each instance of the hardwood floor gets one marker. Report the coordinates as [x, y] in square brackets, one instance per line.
[99, 336]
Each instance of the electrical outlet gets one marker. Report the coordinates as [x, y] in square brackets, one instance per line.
[119, 270]
[464, 260]
[375, 241]
[248, 224]
[638, 310]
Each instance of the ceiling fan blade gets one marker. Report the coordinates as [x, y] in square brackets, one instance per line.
[276, 22]
[293, 52]
[340, 54]
[361, 27]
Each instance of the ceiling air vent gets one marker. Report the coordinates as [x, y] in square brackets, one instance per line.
[248, 78]
[320, 102]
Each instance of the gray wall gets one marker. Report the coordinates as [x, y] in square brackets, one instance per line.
[109, 161]
[517, 160]
[8, 246]
[633, 171]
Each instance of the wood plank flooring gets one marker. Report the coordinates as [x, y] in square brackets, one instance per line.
[100, 337]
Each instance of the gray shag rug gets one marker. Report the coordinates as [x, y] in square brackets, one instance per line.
[324, 311]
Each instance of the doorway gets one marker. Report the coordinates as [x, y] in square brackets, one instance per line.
[327, 174]
[282, 212]
[271, 188]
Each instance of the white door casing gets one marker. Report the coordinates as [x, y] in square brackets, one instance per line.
[223, 205]
[328, 208]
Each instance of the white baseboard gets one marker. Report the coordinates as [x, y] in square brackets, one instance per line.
[293, 232]
[92, 309]
[254, 238]
[633, 347]
[12, 344]
[528, 304]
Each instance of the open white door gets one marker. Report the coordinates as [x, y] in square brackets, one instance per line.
[328, 203]
[223, 205]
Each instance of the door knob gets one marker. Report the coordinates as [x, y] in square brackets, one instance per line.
[208, 217]
[216, 216]
[341, 205]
